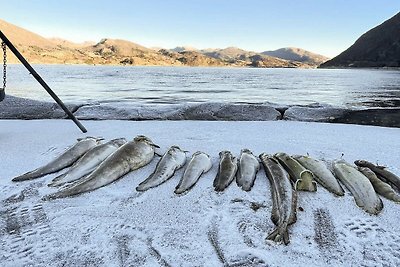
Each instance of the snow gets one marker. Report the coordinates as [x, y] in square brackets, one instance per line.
[117, 226]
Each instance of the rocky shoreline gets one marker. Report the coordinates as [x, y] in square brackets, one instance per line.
[26, 109]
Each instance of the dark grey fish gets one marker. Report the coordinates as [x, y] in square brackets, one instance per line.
[380, 186]
[284, 199]
[380, 171]
[226, 171]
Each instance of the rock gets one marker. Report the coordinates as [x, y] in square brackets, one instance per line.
[204, 111]
[128, 111]
[378, 117]
[26, 109]
[313, 113]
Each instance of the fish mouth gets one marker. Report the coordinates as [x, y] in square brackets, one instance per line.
[143, 138]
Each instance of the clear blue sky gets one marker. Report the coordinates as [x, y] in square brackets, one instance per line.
[323, 26]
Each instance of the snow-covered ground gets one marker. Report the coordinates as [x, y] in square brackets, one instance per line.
[116, 226]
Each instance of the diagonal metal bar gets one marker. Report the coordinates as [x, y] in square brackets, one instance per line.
[41, 81]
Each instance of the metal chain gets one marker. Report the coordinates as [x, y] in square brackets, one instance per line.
[4, 47]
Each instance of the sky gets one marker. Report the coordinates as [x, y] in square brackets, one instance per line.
[327, 27]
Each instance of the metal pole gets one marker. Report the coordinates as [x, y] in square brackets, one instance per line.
[41, 81]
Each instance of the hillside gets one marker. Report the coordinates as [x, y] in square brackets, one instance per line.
[379, 47]
[38, 49]
[297, 54]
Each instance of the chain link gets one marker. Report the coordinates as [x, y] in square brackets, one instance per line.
[4, 47]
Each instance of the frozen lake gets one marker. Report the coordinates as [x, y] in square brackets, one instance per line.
[179, 85]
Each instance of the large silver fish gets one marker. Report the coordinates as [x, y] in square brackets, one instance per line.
[284, 199]
[303, 179]
[66, 159]
[171, 161]
[359, 186]
[131, 156]
[199, 163]
[381, 171]
[248, 167]
[321, 174]
[226, 171]
[380, 186]
[88, 162]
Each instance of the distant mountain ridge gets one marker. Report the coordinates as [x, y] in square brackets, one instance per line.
[379, 47]
[38, 49]
[297, 54]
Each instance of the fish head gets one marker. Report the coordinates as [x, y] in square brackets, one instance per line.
[281, 155]
[245, 150]
[175, 149]
[200, 153]
[97, 139]
[119, 141]
[360, 162]
[145, 139]
[225, 153]
[263, 155]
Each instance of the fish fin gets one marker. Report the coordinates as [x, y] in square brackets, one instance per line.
[216, 179]
[293, 215]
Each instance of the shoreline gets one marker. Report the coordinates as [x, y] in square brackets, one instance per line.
[21, 108]
[217, 67]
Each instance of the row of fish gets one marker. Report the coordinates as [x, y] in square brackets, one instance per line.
[95, 165]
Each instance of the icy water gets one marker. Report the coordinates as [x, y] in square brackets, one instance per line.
[178, 85]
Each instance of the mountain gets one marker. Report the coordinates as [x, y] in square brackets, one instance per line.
[297, 54]
[379, 47]
[66, 43]
[22, 37]
[37, 49]
[184, 48]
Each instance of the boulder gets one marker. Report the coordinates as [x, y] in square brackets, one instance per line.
[26, 109]
[316, 113]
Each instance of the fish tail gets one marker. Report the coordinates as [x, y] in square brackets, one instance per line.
[285, 237]
[280, 234]
[68, 191]
[58, 178]
[141, 188]
[26, 176]
[178, 190]
[57, 181]
[273, 235]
